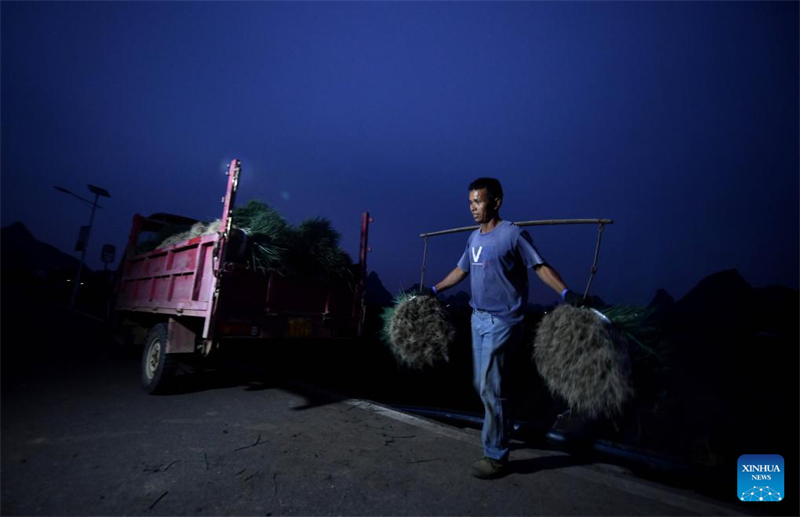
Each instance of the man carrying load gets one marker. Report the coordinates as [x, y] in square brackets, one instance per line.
[497, 258]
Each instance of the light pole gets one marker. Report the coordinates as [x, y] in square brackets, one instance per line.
[97, 191]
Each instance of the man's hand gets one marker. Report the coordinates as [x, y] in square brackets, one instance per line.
[428, 291]
[574, 299]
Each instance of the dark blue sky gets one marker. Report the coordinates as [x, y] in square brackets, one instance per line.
[679, 120]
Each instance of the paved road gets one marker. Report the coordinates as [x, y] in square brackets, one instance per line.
[80, 438]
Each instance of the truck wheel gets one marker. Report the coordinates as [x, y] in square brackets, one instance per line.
[158, 366]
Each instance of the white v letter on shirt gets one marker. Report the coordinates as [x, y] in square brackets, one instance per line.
[476, 256]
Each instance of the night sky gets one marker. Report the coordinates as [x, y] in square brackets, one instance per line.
[678, 120]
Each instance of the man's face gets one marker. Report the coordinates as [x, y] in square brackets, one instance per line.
[481, 207]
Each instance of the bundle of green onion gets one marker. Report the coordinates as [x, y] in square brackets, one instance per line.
[583, 357]
[418, 330]
[271, 245]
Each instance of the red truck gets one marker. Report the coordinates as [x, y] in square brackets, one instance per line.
[190, 297]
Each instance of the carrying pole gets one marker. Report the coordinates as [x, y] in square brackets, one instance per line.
[544, 222]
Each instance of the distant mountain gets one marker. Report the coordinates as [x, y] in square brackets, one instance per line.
[22, 253]
[776, 311]
[538, 308]
[376, 292]
[661, 306]
[458, 300]
[723, 319]
[662, 301]
[722, 302]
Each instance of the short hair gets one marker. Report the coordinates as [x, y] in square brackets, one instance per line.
[491, 185]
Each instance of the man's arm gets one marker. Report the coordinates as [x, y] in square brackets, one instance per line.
[550, 276]
[455, 276]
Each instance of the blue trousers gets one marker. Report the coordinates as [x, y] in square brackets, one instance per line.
[494, 342]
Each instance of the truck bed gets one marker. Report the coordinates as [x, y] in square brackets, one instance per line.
[201, 285]
[174, 280]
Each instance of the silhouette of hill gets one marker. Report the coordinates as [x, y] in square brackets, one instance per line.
[776, 309]
[376, 293]
[22, 252]
[729, 340]
[36, 272]
[661, 306]
[662, 301]
[459, 299]
[723, 308]
[721, 301]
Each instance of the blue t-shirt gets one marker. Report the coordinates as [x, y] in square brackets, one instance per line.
[497, 263]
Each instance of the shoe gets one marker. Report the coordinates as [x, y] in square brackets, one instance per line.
[487, 468]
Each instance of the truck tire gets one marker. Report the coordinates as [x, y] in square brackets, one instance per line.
[158, 367]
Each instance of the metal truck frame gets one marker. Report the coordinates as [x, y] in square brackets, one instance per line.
[187, 298]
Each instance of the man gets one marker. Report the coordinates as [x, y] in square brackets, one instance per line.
[497, 258]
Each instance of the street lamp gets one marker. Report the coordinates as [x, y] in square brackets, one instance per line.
[84, 237]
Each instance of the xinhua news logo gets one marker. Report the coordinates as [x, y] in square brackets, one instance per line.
[760, 478]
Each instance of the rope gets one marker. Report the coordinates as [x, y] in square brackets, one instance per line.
[594, 263]
[424, 258]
